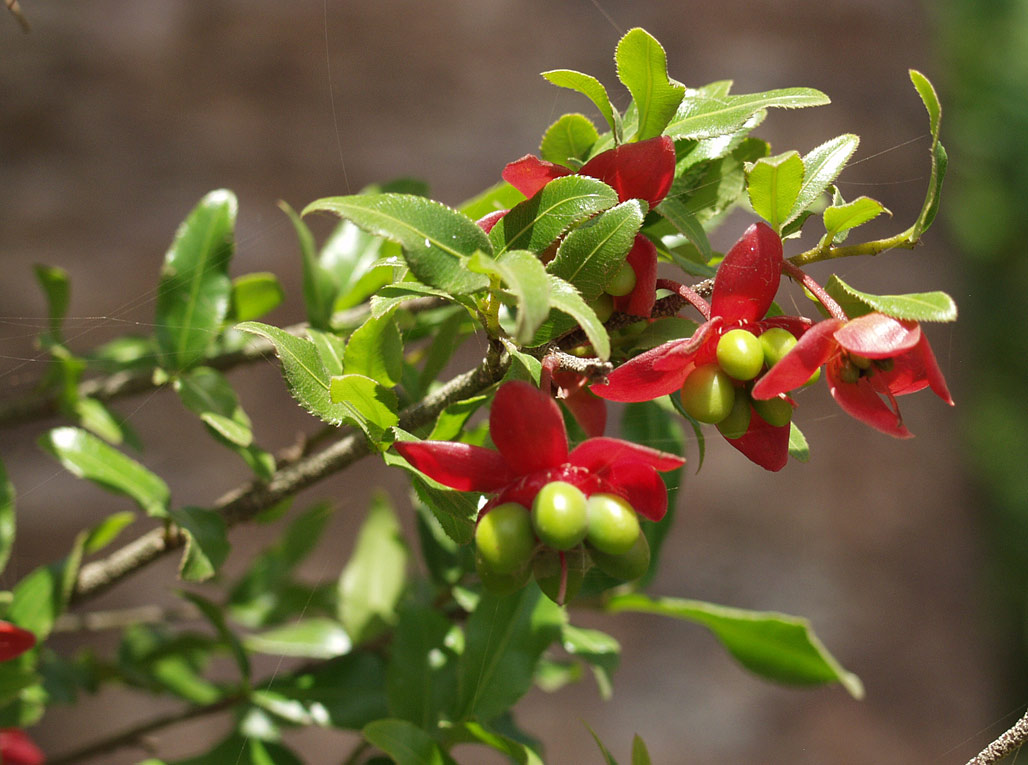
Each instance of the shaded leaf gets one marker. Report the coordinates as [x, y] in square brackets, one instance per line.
[686, 222]
[926, 90]
[194, 292]
[348, 692]
[776, 646]
[405, 743]
[422, 675]
[566, 299]
[473, 732]
[106, 531]
[640, 755]
[86, 456]
[601, 651]
[499, 196]
[43, 595]
[56, 287]
[525, 277]
[214, 614]
[319, 285]
[206, 542]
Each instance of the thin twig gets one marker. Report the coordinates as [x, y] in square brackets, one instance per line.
[246, 501]
[100, 621]
[1006, 744]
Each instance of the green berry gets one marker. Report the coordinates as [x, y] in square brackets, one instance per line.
[776, 342]
[814, 377]
[627, 566]
[708, 394]
[774, 411]
[603, 306]
[547, 569]
[501, 584]
[737, 422]
[622, 282]
[559, 515]
[504, 538]
[613, 524]
[740, 354]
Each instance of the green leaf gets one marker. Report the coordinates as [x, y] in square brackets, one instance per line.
[525, 277]
[194, 292]
[922, 306]
[642, 67]
[566, 299]
[453, 418]
[95, 416]
[705, 115]
[686, 222]
[608, 758]
[776, 646]
[821, 166]
[206, 542]
[926, 90]
[207, 394]
[374, 578]
[499, 196]
[86, 456]
[537, 222]
[7, 517]
[569, 138]
[640, 755]
[841, 218]
[57, 289]
[304, 372]
[773, 184]
[473, 732]
[421, 675]
[331, 349]
[505, 637]
[601, 651]
[592, 89]
[433, 236]
[319, 286]
[352, 257]
[239, 750]
[106, 531]
[43, 595]
[589, 256]
[405, 743]
[346, 693]
[375, 350]
[214, 614]
[309, 638]
[799, 450]
[254, 295]
[372, 407]
[711, 189]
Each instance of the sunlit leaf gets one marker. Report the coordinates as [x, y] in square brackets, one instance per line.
[309, 638]
[254, 295]
[773, 184]
[704, 115]
[642, 67]
[592, 89]
[921, 306]
[569, 138]
[821, 166]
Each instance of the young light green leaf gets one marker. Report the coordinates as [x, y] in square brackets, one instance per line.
[421, 675]
[566, 299]
[106, 531]
[640, 754]
[499, 196]
[319, 285]
[505, 637]
[775, 646]
[799, 450]
[375, 350]
[592, 89]
[57, 289]
[194, 292]
[304, 372]
[406, 743]
[841, 218]
[309, 638]
[821, 166]
[352, 257]
[926, 90]
[589, 256]
[7, 517]
[608, 758]
[95, 416]
[537, 222]
[921, 306]
[254, 295]
[642, 67]
[331, 348]
[86, 456]
[522, 273]
[601, 651]
[705, 115]
[206, 542]
[433, 236]
[518, 751]
[773, 185]
[686, 222]
[370, 406]
[568, 139]
[205, 392]
[374, 578]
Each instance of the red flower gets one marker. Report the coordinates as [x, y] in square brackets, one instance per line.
[14, 641]
[16, 748]
[744, 287]
[867, 358]
[532, 450]
[641, 170]
[589, 410]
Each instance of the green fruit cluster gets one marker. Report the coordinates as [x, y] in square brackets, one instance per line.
[558, 540]
[718, 393]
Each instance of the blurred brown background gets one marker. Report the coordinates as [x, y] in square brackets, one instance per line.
[116, 116]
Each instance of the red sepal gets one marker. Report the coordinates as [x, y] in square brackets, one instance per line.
[642, 170]
[16, 748]
[764, 444]
[14, 641]
[914, 371]
[600, 454]
[641, 485]
[529, 174]
[877, 336]
[460, 466]
[816, 346]
[486, 222]
[861, 401]
[748, 277]
[527, 428]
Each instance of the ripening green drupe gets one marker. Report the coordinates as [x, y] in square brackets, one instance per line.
[501, 584]
[559, 515]
[627, 566]
[776, 342]
[547, 569]
[708, 394]
[737, 422]
[603, 306]
[622, 282]
[774, 411]
[613, 524]
[740, 354]
[504, 538]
